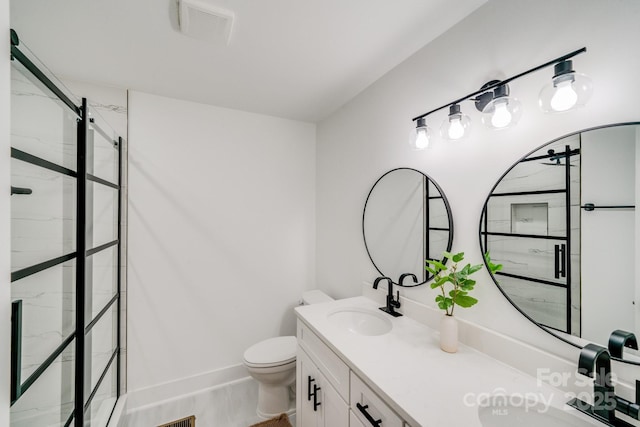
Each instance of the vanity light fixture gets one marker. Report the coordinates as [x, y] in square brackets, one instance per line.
[420, 137]
[566, 91]
[455, 126]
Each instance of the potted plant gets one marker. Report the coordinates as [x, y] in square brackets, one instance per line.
[460, 284]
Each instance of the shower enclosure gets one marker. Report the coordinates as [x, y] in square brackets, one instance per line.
[531, 225]
[66, 180]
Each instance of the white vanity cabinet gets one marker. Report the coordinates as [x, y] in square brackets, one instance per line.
[329, 394]
[322, 384]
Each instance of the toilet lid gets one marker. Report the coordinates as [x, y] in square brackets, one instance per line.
[272, 352]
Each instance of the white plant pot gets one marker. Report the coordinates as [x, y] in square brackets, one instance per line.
[449, 334]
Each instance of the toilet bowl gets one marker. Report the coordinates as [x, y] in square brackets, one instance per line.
[272, 363]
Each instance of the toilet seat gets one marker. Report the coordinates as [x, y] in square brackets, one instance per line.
[271, 352]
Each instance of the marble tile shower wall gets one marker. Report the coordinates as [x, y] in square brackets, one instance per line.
[543, 214]
[43, 227]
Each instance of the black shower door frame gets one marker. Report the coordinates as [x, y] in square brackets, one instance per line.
[83, 327]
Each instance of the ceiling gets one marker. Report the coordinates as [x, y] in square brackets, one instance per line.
[298, 59]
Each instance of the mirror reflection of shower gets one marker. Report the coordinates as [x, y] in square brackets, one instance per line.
[562, 221]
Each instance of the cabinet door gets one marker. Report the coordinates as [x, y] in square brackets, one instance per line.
[318, 403]
[306, 376]
[335, 411]
[354, 421]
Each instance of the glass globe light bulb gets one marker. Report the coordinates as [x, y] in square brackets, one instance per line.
[501, 116]
[422, 139]
[456, 130]
[420, 135]
[564, 97]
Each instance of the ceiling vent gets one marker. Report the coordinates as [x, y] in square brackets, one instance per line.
[203, 21]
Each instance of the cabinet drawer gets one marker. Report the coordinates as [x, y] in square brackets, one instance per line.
[364, 400]
[329, 364]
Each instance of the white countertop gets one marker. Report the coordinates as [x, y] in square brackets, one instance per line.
[422, 383]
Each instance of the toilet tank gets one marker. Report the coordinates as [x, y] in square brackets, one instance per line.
[315, 297]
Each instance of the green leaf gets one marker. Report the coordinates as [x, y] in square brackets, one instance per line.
[458, 257]
[474, 268]
[431, 270]
[465, 301]
[444, 303]
[434, 285]
[468, 282]
[465, 270]
[442, 280]
[455, 294]
[447, 255]
[438, 265]
[492, 267]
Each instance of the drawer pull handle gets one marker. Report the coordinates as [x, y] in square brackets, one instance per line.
[363, 409]
[316, 389]
[309, 381]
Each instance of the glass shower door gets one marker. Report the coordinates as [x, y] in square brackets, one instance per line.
[43, 251]
[66, 251]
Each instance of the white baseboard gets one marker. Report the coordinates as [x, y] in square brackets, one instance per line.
[151, 395]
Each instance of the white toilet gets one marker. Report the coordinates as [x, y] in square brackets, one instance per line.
[272, 363]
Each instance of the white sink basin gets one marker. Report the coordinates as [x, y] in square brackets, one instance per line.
[503, 411]
[361, 321]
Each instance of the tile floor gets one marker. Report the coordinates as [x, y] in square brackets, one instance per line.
[231, 405]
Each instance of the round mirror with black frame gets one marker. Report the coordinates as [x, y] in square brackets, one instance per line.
[562, 222]
[406, 220]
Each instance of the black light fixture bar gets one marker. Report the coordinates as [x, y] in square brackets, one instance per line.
[503, 82]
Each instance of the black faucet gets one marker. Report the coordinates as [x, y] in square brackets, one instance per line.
[595, 361]
[392, 303]
[620, 339]
[594, 356]
[404, 276]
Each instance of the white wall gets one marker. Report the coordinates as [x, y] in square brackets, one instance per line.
[368, 136]
[221, 234]
[5, 184]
